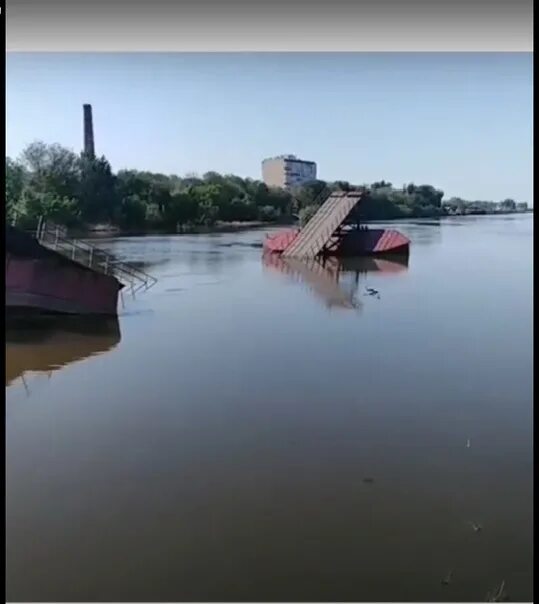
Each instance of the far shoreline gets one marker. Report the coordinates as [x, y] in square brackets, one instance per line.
[106, 232]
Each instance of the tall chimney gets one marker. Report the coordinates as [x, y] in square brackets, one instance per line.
[89, 149]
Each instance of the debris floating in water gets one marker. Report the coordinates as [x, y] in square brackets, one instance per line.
[447, 579]
[468, 443]
[368, 480]
[498, 595]
[371, 291]
[476, 527]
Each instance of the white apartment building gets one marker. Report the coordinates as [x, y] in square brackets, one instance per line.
[287, 171]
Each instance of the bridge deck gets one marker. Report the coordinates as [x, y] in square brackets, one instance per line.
[317, 233]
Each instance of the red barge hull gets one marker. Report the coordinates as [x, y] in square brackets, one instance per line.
[363, 242]
[41, 280]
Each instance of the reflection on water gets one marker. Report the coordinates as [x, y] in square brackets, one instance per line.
[46, 344]
[244, 443]
[335, 281]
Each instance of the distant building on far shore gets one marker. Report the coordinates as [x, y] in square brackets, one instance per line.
[287, 171]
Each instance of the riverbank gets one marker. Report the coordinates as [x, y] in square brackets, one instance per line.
[221, 227]
[106, 231]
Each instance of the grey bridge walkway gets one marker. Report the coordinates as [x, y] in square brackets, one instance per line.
[317, 233]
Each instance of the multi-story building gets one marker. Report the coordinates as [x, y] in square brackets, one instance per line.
[287, 171]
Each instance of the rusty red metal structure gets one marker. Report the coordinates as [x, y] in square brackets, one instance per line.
[335, 230]
[50, 272]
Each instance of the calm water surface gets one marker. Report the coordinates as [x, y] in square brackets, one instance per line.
[269, 432]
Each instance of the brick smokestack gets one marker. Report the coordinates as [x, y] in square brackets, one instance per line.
[89, 148]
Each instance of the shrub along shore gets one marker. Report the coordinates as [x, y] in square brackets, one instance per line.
[85, 195]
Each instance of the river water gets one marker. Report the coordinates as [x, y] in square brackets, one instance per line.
[251, 431]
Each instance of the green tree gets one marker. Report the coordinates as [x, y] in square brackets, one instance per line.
[207, 200]
[306, 213]
[381, 184]
[181, 211]
[61, 210]
[52, 181]
[51, 169]
[280, 200]
[131, 213]
[268, 213]
[427, 195]
[15, 182]
[159, 195]
[508, 205]
[343, 185]
[410, 189]
[311, 193]
[98, 194]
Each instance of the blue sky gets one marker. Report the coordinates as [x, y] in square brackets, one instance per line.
[462, 122]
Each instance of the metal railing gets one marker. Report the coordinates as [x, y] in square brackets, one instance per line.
[55, 237]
